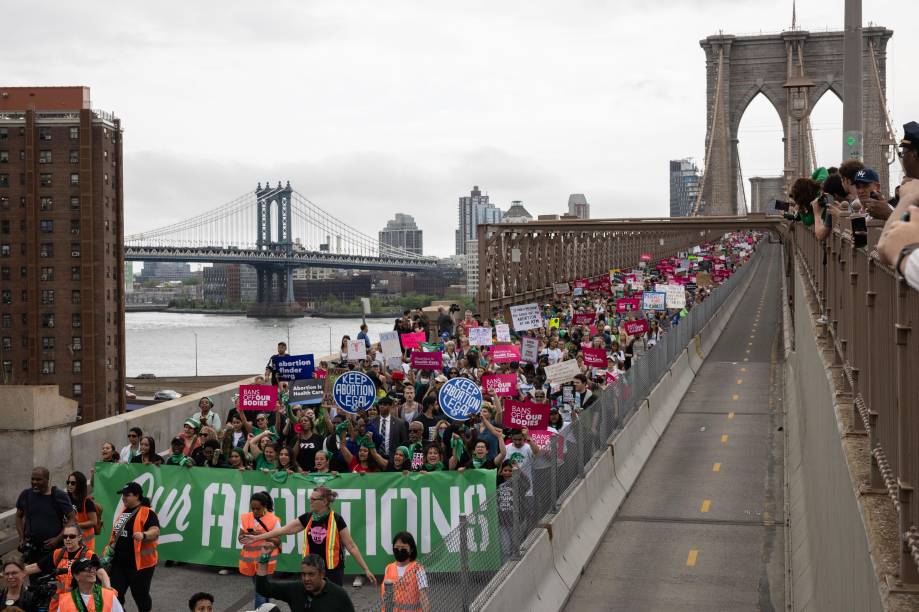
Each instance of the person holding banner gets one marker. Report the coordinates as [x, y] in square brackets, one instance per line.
[260, 519]
[148, 454]
[480, 459]
[132, 547]
[326, 535]
[367, 460]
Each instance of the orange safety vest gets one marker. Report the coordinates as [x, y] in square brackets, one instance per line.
[89, 533]
[62, 561]
[332, 545]
[406, 595]
[144, 551]
[251, 551]
[108, 596]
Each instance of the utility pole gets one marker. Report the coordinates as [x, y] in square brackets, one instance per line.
[852, 113]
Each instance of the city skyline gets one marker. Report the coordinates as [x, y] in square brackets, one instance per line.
[391, 135]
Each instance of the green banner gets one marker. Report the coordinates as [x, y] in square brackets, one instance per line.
[199, 510]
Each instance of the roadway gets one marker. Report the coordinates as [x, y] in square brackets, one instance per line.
[702, 528]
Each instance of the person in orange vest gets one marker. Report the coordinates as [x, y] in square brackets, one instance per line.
[84, 506]
[132, 547]
[405, 577]
[261, 519]
[87, 594]
[326, 534]
[61, 559]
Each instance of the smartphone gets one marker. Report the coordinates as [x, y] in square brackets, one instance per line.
[859, 232]
[780, 205]
[874, 195]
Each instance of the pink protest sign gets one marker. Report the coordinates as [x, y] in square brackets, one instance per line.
[543, 438]
[500, 384]
[646, 256]
[529, 414]
[505, 353]
[595, 357]
[594, 331]
[413, 340]
[634, 328]
[628, 304]
[611, 377]
[258, 398]
[427, 361]
[581, 283]
[583, 318]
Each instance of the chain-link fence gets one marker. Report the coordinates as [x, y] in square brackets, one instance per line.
[473, 559]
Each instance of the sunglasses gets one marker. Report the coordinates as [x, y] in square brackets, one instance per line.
[70, 536]
[71, 482]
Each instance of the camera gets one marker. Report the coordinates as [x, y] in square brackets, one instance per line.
[30, 550]
[826, 199]
[44, 587]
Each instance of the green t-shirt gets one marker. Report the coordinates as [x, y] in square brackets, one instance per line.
[178, 459]
[263, 464]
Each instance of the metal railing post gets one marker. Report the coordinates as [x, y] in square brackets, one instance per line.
[581, 444]
[553, 472]
[516, 526]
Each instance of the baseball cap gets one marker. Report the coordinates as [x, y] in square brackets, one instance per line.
[441, 378]
[84, 564]
[910, 134]
[866, 175]
[385, 400]
[398, 376]
[133, 488]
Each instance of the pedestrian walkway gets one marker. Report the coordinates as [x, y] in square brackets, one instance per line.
[702, 528]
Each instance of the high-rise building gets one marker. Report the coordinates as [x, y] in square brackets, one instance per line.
[229, 283]
[164, 271]
[474, 210]
[472, 267]
[401, 233]
[684, 187]
[578, 206]
[61, 246]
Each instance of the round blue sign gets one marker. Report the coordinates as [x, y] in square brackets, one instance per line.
[354, 391]
[460, 398]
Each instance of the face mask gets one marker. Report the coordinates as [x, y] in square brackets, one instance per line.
[400, 554]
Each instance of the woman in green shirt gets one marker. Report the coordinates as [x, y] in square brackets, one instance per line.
[264, 451]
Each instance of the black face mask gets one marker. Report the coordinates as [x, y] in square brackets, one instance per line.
[401, 554]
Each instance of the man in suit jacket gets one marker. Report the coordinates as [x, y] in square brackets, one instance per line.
[391, 428]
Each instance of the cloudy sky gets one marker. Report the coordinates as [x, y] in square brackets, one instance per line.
[372, 108]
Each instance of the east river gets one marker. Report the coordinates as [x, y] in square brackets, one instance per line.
[163, 343]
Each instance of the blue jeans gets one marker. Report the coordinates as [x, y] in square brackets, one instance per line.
[259, 600]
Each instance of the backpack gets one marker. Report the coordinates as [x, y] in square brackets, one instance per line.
[97, 528]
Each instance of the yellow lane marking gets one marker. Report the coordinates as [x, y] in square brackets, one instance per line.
[706, 504]
[716, 467]
[730, 415]
[724, 438]
[691, 559]
[735, 397]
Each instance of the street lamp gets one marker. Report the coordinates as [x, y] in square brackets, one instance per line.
[196, 353]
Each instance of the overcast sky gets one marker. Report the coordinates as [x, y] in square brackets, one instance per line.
[372, 108]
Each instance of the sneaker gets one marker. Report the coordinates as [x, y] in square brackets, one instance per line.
[224, 572]
[358, 581]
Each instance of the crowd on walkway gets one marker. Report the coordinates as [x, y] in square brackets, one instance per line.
[552, 360]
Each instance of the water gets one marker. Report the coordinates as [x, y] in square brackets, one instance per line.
[163, 343]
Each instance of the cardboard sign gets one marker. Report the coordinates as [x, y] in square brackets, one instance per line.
[413, 340]
[505, 353]
[527, 316]
[637, 327]
[561, 288]
[583, 318]
[578, 291]
[595, 357]
[427, 361]
[529, 350]
[292, 367]
[628, 304]
[389, 342]
[307, 391]
[480, 336]
[675, 295]
[503, 332]
[258, 398]
[654, 300]
[526, 414]
[502, 385]
[563, 371]
[460, 398]
[354, 391]
[357, 350]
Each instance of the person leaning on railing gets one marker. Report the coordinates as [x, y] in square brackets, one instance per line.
[899, 243]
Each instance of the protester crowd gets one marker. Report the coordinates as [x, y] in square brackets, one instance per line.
[599, 327]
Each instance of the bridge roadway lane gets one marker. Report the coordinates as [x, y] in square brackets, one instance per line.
[702, 527]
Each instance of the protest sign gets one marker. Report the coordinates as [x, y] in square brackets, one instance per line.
[529, 350]
[503, 332]
[646, 257]
[354, 391]
[307, 391]
[199, 511]
[525, 414]
[259, 398]
[427, 361]
[578, 291]
[567, 394]
[527, 316]
[505, 353]
[611, 377]
[413, 340]
[594, 357]
[554, 322]
[460, 398]
[636, 327]
[628, 304]
[389, 342]
[292, 367]
[581, 283]
[561, 288]
[583, 318]
[357, 350]
[675, 295]
[501, 385]
[562, 371]
[654, 300]
[480, 336]
[432, 347]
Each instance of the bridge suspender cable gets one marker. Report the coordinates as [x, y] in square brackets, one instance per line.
[711, 136]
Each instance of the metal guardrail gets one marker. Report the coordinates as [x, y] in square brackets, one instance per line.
[869, 314]
[458, 584]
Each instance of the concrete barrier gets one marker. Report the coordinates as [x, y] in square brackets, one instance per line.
[633, 445]
[664, 399]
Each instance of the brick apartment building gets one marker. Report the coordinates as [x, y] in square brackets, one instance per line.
[61, 246]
